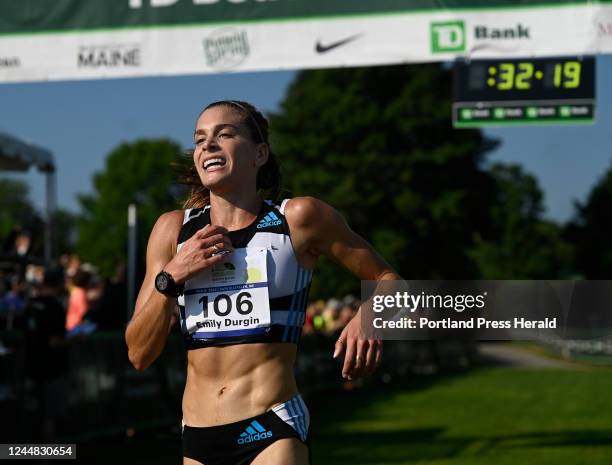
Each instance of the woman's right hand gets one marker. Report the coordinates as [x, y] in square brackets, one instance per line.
[206, 247]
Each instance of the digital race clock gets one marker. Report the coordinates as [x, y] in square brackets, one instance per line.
[524, 90]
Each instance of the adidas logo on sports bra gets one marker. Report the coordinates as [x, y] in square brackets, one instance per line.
[254, 432]
[269, 220]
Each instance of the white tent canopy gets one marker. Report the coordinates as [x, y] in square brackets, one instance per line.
[16, 155]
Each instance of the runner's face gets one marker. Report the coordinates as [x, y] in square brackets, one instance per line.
[224, 153]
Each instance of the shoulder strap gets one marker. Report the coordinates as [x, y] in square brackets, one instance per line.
[186, 215]
[282, 206]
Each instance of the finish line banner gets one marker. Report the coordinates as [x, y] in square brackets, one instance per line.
[87, 39]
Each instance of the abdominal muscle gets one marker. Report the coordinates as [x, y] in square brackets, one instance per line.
[231, 383]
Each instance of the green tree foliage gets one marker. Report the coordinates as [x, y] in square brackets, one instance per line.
[523, 246]
[16, 209]
[139, 173]
[591, 230]
[378, 145]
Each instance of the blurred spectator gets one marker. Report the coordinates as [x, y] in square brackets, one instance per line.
[23, 242]
[64, 259]
[46, 354]
[14, 301]
[18, 242]
[71, 264]
[111, 312]
[330, 315]
[4, 286]
[95, 287]
[349, 308]
[77, 302]
[314, 320]
[34, 274]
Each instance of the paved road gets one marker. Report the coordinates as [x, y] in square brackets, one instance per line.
[510, 355]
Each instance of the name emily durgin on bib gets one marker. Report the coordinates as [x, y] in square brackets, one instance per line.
[226, 322]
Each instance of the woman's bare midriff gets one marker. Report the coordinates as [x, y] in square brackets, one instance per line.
[230, 383]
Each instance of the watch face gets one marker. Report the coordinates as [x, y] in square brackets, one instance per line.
[161, 282]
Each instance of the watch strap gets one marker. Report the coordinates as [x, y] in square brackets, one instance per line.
[173, 289]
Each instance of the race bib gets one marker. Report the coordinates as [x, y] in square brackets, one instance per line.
[231, 297]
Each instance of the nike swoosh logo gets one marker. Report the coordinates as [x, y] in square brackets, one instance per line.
[320, 48]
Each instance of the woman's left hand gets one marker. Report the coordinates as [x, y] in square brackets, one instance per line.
[363, 354]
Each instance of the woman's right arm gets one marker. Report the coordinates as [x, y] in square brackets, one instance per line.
[150, 325]
[148, 329]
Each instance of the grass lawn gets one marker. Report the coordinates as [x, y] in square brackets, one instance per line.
[491, 416]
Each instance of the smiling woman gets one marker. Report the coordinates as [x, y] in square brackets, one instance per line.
[238, 269]
[268, 177]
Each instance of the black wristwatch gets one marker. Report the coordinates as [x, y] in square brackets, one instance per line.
[164, 283]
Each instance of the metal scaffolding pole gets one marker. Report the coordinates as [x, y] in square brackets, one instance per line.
[132, 248]
[51, 201]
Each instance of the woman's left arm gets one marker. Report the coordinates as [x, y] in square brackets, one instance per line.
[318, 229]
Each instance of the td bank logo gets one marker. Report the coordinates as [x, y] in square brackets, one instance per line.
[451, 36]
[447, 36]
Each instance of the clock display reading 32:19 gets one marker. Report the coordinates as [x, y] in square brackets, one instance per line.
[521, 75]
[525, 79]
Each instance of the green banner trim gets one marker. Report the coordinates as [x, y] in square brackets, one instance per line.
[77, 16]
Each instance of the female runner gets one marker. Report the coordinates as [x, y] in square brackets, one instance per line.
[240, 268]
